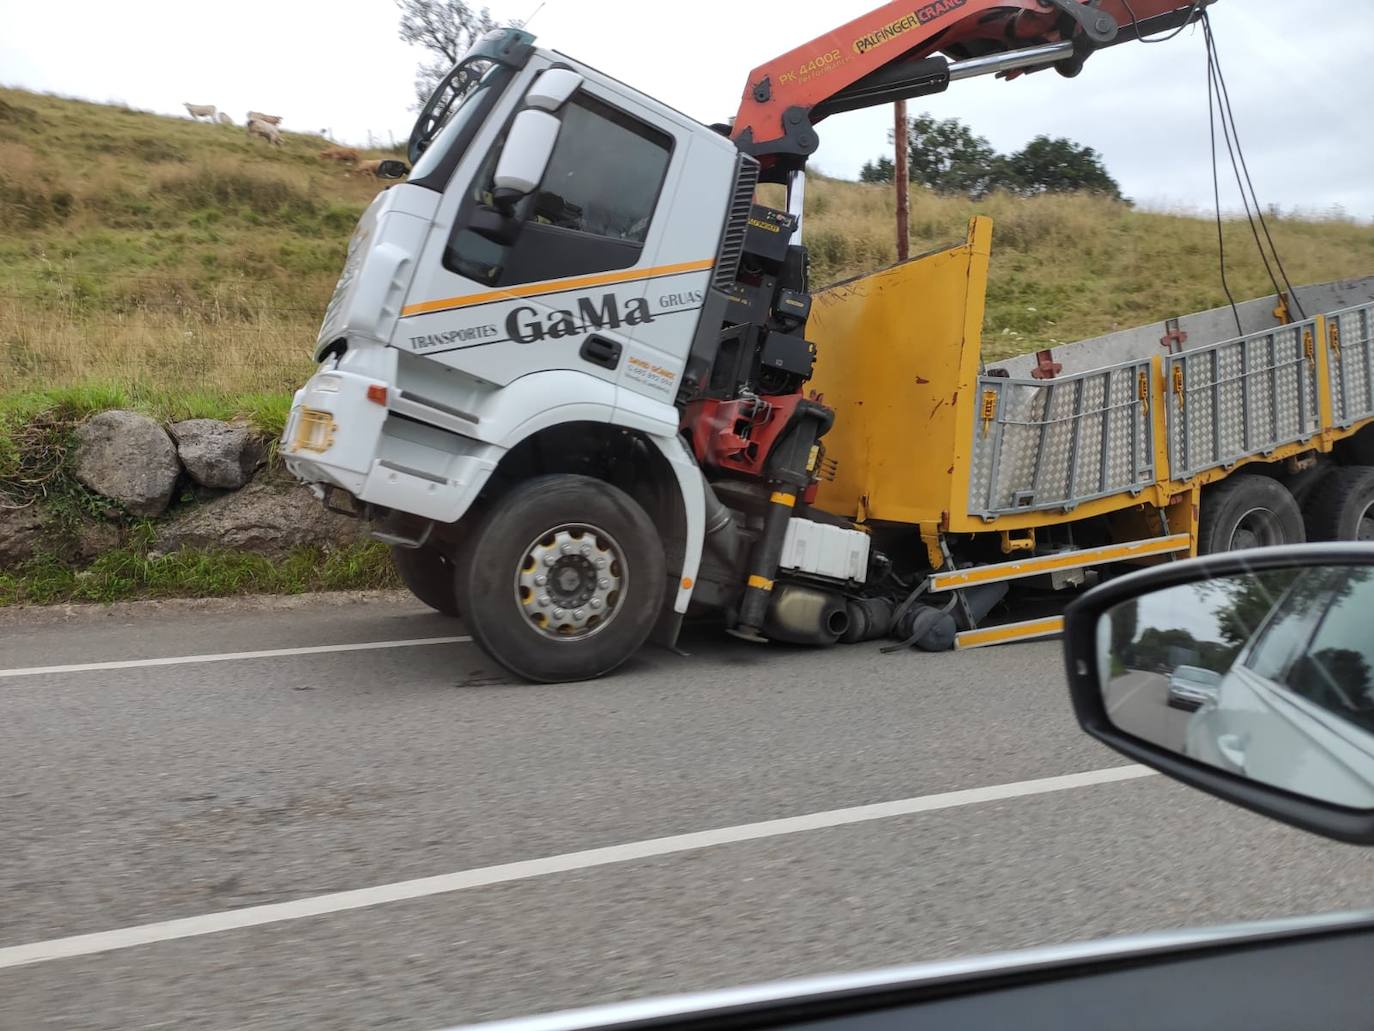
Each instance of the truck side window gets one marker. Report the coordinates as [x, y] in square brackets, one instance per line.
[590, 214]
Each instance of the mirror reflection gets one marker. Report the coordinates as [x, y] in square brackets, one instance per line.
[1266, 675]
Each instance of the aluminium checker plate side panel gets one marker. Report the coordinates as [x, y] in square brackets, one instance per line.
[1250, 396]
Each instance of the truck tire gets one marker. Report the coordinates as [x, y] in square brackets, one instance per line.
[562, 580]
[1341, 506]
[1248, 511]
[429, 574]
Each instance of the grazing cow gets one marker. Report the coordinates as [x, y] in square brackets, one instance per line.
[258, 116]
[268, 132]
[343, 155]
[199, 111]
[224, 119]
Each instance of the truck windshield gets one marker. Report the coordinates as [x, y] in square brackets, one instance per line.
[473, 89]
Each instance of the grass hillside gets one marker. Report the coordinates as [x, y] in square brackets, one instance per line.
[151, 262]
[153, 257]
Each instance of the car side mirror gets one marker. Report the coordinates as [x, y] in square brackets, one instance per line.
[1249, 675]
[392, 169]
[525, 157]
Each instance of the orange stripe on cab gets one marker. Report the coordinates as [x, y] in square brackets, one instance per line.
[554, 286]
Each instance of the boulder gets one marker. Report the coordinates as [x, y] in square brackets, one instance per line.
[264, 518]
[218, 454]
[127, 458]
[20, 531]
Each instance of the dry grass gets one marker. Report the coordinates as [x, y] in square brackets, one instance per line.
[157, 254]
[191, 350]
[1069, 267]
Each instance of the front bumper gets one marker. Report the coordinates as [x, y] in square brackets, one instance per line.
[339, 435]
[1188, 699]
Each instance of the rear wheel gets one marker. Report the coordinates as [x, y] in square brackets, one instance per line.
[1248, 511]
[562, 580]
[1341, 507]
[428, 573]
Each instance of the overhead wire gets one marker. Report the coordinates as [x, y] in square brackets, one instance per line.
[1242, 168]
[1219, 103]
[1216, 193]
[1228, 134]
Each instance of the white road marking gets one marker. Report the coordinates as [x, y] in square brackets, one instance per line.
[184, 660]
[402, 891]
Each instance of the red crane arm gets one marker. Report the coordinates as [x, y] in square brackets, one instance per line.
[904, 49]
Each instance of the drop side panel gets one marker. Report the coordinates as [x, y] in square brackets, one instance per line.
[898, 360]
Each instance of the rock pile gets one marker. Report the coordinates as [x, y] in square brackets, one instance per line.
[205, 483]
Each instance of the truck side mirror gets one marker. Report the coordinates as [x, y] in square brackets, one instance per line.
[525, 157]
[1249, 675]
[392, 169]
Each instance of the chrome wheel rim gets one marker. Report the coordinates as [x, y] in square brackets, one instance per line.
[1257, 528]
[570, 582]
[1364, 529]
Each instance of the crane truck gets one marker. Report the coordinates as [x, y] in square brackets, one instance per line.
[575, 374]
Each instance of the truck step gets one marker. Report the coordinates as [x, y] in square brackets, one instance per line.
[1010, 633]
[1062, 562]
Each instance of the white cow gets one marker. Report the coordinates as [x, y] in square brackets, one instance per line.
[199, 111]
[258, 116]
[267, 131]
[224, 119]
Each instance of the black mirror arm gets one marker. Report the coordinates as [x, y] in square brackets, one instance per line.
[497, 224]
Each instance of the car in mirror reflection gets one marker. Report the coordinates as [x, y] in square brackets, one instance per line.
[1266, 675]
[1190, 687]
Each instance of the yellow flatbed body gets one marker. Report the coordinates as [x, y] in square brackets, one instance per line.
[926, 437]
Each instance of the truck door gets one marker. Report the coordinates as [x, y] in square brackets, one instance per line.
[564, 282]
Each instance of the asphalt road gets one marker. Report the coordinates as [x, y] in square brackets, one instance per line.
[1138, 703]
[295, 792]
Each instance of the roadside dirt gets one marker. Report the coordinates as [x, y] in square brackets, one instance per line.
[47, 615]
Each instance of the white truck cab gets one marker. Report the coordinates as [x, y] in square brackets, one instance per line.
[525, 315]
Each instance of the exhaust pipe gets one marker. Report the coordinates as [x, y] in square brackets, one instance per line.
[804, 615]
[722, 533]
[869, 619]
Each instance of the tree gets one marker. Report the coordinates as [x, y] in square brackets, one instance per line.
[445, 29]
[880, 171]
[946, 156]
[1125, 622]
[1057, 166]
[949, 157]
[1162, 650]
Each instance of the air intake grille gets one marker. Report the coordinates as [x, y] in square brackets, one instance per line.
[736, 223]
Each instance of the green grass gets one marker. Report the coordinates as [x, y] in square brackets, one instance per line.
[36, 430]
[134, 572]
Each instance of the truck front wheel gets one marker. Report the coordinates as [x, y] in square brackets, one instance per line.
[562, 580]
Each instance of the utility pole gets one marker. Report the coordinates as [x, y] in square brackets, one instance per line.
[903, 178]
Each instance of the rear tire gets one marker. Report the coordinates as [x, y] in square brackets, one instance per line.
[562, 580]
[1248, 510]
[1341, 506]
[428, 573]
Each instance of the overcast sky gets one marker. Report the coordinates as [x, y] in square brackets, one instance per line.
[1301, 78]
